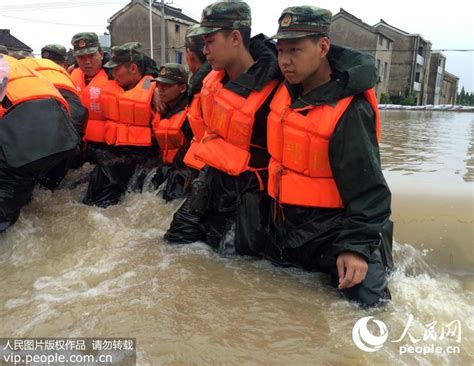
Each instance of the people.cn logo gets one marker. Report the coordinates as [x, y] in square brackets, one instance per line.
[364, 339]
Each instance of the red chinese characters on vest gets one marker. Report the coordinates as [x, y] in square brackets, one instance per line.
[229, 120]
[299, 170]
[128, 113]
[90, 98]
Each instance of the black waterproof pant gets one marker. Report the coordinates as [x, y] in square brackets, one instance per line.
[211, 212]
[313, 256]
[115, 167]
[17, 184]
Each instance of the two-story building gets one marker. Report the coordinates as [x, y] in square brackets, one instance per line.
[132, 24]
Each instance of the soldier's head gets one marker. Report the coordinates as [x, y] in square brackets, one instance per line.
[225, 27]
[87, 52]
[303, 42]
[56, 53]
[3, 50]
[172, 82]
[20, 55]
[127, 64]
[194, 46]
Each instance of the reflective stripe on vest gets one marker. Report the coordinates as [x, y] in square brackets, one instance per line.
[90, 98]
[52, 72]
[229, 120]
[169, 135]
[128, 113]
[24, 85]
[299, 171]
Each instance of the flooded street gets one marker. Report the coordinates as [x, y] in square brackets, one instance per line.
[69, 270]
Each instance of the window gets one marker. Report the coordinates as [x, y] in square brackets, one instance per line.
[388, 44]
[385, 71]
[378, 66]
[176, 28]
[178, 57]
[417, 76]
[380, 40]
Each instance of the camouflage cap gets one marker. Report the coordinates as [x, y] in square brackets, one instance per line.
[302, 21]
[193, 42]
[128, 52]
[54, 52]
[230, 14]
[19, 55]
[85, 43]
[3, 49]
[172, 73]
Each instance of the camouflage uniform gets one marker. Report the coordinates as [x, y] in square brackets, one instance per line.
[313, 237]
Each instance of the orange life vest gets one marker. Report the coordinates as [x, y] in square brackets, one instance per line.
[299, 171]
[169, 135]
[24, 84]
[90, 98]
[128, 113]
[52, 72]
[229, 120]
[198, 126]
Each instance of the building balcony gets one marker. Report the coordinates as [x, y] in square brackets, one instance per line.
[416, 86]
[420, 60]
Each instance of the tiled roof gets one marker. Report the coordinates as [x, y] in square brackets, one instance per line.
[11, 42]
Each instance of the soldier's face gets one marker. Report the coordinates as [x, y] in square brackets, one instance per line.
[169, 93]
[219, 50]
[90, 64]
[124, 76]
[300, 58]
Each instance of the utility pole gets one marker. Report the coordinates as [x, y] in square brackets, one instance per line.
[163, 38]
[151, 29]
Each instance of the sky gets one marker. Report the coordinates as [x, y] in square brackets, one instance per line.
[448, 25]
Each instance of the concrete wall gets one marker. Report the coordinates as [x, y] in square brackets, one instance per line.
[449, 89]
[383, 56]
[435, 78]
[345, 33]
[133, 25]
[402, 61]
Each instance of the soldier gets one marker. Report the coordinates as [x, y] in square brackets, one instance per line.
[19, 55]
[185, 226]
[234, 101]
[126, 134]
[89, 79]
[3, 50]
[56, 53]
[57, 75]
[172, 130]
[330, 199]
[36, 133]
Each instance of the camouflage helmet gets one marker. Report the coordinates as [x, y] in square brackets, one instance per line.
[302, 21]
[230, 14]
[54, 52]
[128, 52]
[193, 42]
[85, 43]
[172, 73]
[19, 55]
[3, 50]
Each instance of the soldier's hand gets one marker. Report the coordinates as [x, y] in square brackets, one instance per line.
[160, 106]
[351, 268]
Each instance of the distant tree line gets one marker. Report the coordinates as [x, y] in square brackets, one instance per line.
[465, 98]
